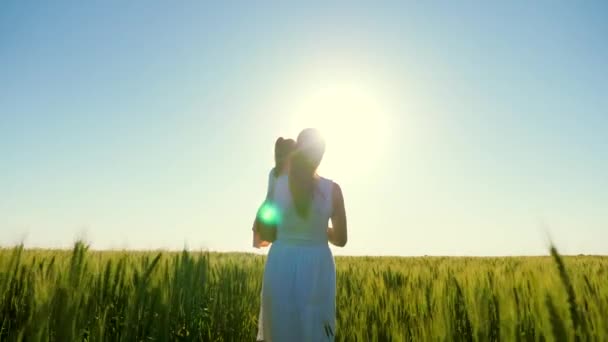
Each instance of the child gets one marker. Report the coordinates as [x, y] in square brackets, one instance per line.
[282, 150]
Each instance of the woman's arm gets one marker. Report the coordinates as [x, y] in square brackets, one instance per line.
[338, 235]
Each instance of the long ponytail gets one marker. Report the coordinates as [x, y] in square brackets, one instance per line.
[310, 148]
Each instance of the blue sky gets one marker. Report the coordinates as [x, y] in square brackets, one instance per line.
[151, 124]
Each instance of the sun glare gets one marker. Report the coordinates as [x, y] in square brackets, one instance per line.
[354, 121]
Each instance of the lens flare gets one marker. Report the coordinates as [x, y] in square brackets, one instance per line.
[269, 214]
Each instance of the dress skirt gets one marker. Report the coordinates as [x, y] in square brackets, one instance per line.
[298, 293]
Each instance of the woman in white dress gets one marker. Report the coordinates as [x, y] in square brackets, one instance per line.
[299, 290]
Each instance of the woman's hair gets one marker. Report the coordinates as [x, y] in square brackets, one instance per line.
[310, 148]
[282, 151]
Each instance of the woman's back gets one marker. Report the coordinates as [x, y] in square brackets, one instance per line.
[299, 290]
[300, 277]
[311, 229]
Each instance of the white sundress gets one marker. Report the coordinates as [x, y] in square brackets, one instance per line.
[299, 288]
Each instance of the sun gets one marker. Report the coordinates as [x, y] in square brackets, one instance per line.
[354, 121]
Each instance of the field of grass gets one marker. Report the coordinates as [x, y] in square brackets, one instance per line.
[84, 295]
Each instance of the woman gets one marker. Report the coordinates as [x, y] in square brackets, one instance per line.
[298, 296]
[282, 150]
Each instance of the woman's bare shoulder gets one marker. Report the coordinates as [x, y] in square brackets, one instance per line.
[336, 190]
[333, 188]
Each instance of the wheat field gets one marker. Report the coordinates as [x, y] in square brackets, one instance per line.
[82, 295]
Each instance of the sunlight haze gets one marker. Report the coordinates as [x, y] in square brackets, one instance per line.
[452, 128]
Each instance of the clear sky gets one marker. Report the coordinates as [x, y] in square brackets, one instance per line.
[454, 128]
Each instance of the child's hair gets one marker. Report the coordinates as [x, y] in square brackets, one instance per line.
[282, 151]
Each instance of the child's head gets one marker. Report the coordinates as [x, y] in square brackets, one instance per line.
[282, 150]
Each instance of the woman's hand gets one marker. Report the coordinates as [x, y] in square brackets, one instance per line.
[330, 234]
